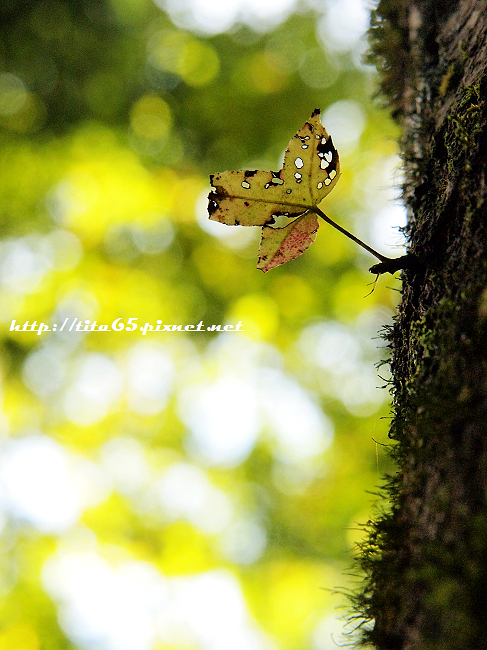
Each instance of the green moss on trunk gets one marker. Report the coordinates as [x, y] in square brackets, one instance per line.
[426, 557]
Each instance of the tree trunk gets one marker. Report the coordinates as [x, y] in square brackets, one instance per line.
[426, 556]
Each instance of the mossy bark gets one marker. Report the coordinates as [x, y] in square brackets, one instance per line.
[426, 556]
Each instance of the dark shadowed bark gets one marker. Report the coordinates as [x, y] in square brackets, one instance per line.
[426, 557]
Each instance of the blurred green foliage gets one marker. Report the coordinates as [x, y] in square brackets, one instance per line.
[111, 118]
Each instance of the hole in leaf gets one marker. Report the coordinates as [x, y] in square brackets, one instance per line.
[281, 220]
[275, 180]
[245, 185]
[299, 163]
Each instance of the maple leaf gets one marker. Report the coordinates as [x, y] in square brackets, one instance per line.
[310, 171]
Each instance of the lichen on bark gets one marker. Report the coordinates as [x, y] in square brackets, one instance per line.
[425, 560]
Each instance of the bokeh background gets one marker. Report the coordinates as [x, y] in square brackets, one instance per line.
[184, 490]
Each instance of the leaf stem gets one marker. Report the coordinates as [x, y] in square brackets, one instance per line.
[358, 241]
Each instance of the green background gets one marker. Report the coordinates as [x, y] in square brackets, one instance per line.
[183, 490]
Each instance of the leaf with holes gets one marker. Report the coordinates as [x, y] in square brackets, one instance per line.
[310, 171]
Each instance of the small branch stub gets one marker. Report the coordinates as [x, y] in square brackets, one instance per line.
[406, 262]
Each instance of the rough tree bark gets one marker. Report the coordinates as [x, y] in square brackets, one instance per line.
[426, 556]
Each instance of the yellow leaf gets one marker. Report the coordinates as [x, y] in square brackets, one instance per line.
[310, 171]
[252, 198]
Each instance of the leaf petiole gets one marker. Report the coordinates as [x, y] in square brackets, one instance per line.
[387, 264]
[358, 241]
